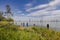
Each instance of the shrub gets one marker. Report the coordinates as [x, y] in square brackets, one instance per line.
[10, 20]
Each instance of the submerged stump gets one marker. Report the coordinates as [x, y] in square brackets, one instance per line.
[47, 26]
[27, 24]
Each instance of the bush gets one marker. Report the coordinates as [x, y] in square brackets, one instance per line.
[10, 20]
[3, 19]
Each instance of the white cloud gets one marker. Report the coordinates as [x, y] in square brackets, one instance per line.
[38, 13]
[55, 12]
[49, 8]
[18, 12]
[28, 5]
[54, 3]
[37, 7]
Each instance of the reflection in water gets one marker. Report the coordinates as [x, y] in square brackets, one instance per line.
[53, 22]
[54, 25]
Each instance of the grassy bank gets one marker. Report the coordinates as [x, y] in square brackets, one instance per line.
[12, 32]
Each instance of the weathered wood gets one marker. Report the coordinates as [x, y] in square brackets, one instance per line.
[23, 24]
[27, 24]
[47, 26]
[33, 24]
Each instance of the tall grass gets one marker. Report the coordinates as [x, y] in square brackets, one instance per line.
[12, 32]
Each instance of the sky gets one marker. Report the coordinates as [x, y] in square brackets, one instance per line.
[32, 8]
[21, 7]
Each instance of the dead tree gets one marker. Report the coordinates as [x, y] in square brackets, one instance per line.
[8, 12]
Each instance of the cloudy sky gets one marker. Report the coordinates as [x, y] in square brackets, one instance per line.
[32, 8]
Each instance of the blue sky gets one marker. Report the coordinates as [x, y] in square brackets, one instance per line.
[32, 8]
[20, 6]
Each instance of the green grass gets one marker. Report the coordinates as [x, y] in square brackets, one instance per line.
[12, 32]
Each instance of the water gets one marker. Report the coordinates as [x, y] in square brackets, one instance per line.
[54, 23]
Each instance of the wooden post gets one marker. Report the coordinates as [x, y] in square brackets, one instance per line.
[27, 24]
[23, 24]
[33, 24]
[47, 26]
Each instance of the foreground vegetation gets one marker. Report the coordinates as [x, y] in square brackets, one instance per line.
[12, 32]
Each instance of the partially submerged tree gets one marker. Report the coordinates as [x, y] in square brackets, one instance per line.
[8, 12]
